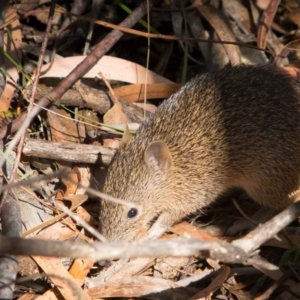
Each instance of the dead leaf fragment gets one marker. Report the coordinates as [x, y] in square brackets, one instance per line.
[135, 92]
[13, 49]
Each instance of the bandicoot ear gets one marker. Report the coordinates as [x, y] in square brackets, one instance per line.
[158, 157]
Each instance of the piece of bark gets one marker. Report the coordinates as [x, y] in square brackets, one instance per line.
[68, 151]
[94, 99]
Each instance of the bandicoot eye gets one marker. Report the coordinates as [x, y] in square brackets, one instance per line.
[132, 213]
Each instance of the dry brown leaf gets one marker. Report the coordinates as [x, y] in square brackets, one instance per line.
[115, 115]
[70, 181]
[294, 16]
[186, 229]
[147, 106]
[13, 49]
[79, 200]
[80, 268]
[293, 68]
[169, 268]
[48, 295]
[265, 23]
[76, 200]
[113, 68]
[214, 264]
[53, 266]
[262, 4]
[27, 297]
[130, 269]
[222, 27]
[215, 284]
[294, 72]
[240, 13]
[135, 92]
[85, 216]
[112, 143]
[63, 128]
[70, 234]
[131, 287]
[57, 231]
[62, 279]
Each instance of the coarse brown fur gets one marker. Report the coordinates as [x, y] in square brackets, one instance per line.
[237, 127]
